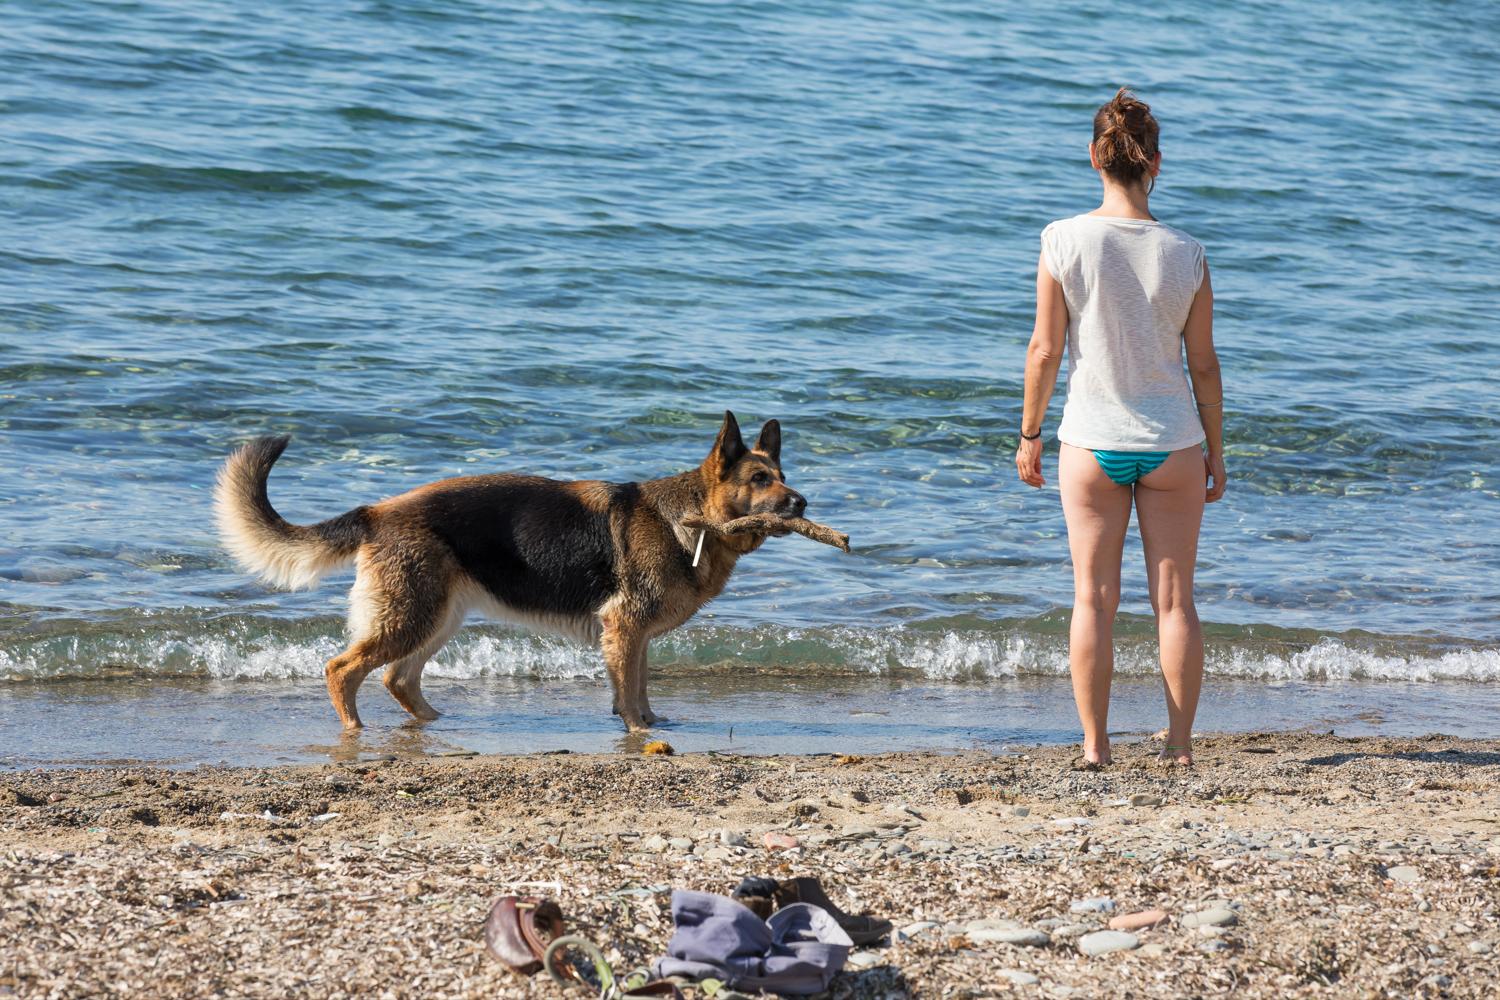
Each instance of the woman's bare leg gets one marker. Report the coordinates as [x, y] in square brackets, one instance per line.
[1097, 510]
[1169, 507]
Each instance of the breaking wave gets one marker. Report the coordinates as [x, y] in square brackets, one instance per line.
[186, 645]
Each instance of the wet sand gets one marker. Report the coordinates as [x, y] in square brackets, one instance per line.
[1317, 866]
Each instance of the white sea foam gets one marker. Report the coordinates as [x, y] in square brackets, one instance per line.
[269, 653]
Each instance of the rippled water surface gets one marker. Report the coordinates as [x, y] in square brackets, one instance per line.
[436, 238]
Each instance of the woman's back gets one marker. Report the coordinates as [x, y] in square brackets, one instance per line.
[1129, 284]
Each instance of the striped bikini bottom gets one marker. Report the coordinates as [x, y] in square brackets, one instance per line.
[1125, 467]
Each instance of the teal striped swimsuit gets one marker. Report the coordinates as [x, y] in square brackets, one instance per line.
[1125, 467]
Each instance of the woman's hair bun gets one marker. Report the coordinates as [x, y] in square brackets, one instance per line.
[1125, 137]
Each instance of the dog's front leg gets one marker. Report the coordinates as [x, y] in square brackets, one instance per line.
[621, 646]
[638, 671]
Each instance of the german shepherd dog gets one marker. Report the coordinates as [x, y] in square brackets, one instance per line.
[606, 563]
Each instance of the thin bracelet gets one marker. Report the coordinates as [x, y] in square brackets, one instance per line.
[1219, 403]
[1030, 437]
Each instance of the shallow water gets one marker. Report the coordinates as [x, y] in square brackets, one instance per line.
[563, 238]
[183, 723]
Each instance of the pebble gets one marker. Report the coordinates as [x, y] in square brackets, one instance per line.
[1070, 930]
[655, 843]
[1135, 921]
[1017, 977]
[1024, 937]
[1104, 942]
[855, 832]
[1215, 917]
[732, 838]
[718, 854]
[1020, 811]
[1480, 947]
[864, 959]
[912, 930]
[1142, 799]
[990, 924]
[1404, 873]
[1213, 945]
[1095, 904]
[1153, 950]
[776, 841]
[680, 844]
[1224, 863]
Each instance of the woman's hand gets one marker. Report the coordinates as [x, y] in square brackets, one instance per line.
[1213, 466]
[1029, 462]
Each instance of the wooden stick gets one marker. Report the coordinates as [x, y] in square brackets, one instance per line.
[771, 524]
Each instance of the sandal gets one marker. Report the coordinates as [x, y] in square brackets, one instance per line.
[527, 934]
[519, 929]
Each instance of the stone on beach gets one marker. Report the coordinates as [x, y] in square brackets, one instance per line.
[1215, 916]
[1094, 904]
[1135, 921]
[777, 841]
[1104, 942]
[1018, 977]
[1403, 873]
[1026, 937]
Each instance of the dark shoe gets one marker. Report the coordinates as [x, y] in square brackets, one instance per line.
[862, 929]
[758, 894]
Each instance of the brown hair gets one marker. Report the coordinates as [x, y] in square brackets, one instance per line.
[1125, 138]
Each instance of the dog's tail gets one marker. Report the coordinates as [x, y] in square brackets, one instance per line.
[261, 540]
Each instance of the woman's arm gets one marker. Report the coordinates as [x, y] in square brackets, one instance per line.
[1043, 358]
[1208, 388]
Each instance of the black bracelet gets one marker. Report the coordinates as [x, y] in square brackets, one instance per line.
[1030, 437]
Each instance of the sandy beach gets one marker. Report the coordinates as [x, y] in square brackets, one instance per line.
[1287, 865]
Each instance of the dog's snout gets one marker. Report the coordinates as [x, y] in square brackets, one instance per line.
[795, 503]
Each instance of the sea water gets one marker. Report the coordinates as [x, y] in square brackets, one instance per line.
[431, 239]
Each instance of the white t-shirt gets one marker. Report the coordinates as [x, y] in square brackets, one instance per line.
[1129, 284]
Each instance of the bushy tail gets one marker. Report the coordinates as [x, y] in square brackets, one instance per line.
[287, 555]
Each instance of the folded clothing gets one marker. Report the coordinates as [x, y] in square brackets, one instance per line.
[797, 952]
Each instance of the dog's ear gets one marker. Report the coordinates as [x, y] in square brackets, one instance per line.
[729, 447]
[770, 440]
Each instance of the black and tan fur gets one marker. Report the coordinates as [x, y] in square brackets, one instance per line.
[602, 562]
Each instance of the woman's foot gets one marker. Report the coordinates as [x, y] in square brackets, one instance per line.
[1176, 756]
[1092, 759]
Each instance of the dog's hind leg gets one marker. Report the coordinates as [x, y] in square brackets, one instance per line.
[396, 607]
[347, 671]
[403, 677]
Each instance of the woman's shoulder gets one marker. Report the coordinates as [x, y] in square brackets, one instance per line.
[1181, 236]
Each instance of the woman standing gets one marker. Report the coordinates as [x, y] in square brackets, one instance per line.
[1127, 294]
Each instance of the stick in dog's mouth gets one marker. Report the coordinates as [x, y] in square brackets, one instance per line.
[771, 524]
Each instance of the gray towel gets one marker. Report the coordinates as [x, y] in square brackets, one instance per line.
[798, 951]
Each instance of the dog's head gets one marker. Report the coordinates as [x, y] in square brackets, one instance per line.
[749, 480]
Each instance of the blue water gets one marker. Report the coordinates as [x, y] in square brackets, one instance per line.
[435, 238]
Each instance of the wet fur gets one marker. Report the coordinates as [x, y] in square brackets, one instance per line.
[606, 563]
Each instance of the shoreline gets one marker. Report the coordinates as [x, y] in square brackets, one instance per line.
[257, 723]
[1348, 867]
